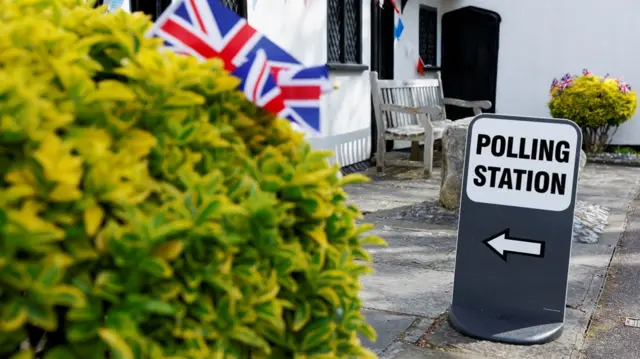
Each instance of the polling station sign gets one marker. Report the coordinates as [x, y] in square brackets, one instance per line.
[515, 228]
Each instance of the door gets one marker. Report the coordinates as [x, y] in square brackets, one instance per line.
[469, 60]
[382, 27]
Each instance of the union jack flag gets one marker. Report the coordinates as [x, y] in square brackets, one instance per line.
[271, 77]
[566, 81]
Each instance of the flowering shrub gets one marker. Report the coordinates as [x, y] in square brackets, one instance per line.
[596, 104]
[148, 210]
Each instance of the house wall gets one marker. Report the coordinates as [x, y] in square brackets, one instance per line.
[543, 39]
[404, 68]
[346, 112]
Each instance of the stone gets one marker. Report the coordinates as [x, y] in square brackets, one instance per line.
[583, 159]
[454, 139]
[622, 159]
[589, 220]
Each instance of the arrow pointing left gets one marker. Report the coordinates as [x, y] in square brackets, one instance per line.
[502, 244]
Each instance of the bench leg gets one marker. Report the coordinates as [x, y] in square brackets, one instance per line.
[382, 147]
[416, 154]
[428, 153]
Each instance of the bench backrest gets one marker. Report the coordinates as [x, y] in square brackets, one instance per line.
[412, 93]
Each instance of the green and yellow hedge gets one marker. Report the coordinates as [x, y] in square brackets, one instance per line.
[147, 210]
[597, 104]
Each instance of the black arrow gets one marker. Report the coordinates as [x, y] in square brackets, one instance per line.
[502, 244]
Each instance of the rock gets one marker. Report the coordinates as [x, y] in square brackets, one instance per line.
[589, 219]
[454, 139]
[583, 159]
[622, 159]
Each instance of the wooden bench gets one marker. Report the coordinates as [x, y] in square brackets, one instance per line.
[412, 110]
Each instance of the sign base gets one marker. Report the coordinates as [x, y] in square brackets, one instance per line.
[476, 324]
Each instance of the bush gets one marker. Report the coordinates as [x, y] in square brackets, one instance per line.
[596, 104]
[147, 210]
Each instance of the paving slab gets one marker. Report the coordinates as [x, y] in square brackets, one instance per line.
[387, 328]
[429, 249]
[608, 336]
[407, 290]
[401, 350]
[445, 337]
[412, 284]
[582, 281]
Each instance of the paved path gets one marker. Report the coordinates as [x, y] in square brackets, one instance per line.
[608, 337]
[410, 292]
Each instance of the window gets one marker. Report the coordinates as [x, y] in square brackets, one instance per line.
[237, 6]
[156, 7]
[344, 39]
[428, 35]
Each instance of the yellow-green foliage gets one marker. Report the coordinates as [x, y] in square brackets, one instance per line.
[593, 102]
[147, 210]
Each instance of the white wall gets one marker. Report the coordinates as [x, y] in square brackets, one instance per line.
[404, 68]
[543, 39]
[302, 30]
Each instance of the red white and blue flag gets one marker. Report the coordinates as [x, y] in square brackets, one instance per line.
[271, 77]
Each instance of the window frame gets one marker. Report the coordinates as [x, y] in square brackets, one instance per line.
[341, 62]
[161, 5]
[429, 10]
[243, 8]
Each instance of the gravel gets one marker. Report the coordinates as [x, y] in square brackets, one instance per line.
[615, 159]
[588, 224]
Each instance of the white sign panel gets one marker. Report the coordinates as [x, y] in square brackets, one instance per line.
[522, 164]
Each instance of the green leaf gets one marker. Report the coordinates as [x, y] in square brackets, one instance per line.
[82, 331]
[333, 277]
[353, 178]
[60, 353]
[317, 333]
[372, 241]
[54, 267]
[92, 310]
[119, 347]
[149, 305]
[3, 218]
[206, 213]
[319, 308]
[271, 312]
[15, 276]
[368, 331]
[121, 322]
[330, 296]
[42, 316]
[302, 315]
[247, 336]
[13, 315]
[69, 296]
[24, 354]
[157, 267]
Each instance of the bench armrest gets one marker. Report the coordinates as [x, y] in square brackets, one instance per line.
[427, 110]
[485, 105]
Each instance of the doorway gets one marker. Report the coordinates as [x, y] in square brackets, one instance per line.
[382, 52]
[469, 57]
